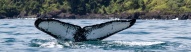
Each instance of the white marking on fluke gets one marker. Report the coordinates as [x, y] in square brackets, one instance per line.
[65, 31]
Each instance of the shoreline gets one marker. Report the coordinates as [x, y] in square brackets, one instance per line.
[95, 19]
[137, 15]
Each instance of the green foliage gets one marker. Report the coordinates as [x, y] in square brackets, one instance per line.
[81, 7]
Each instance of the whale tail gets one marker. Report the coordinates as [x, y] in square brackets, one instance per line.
[66, 31]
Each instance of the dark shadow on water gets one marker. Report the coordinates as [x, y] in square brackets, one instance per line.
[187, 38]
[9, 40]
[13, 27]
[159, 27]
[11, 33]
[5, 24]
[18, 34]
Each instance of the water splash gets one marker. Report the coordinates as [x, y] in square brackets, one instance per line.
[105, 45]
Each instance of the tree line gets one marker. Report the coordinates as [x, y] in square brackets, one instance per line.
[12, 8]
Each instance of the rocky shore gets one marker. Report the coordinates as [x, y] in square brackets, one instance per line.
[137, 15]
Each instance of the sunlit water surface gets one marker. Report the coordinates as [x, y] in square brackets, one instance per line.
[146, 35]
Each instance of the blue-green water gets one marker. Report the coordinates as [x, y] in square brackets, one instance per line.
[145, 36]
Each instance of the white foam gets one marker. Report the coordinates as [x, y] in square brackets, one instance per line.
[136, 43]
[51, 45]
[175, 19]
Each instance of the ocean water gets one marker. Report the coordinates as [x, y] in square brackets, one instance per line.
[145, 36]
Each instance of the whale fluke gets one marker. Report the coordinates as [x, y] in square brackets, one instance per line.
[66, 31]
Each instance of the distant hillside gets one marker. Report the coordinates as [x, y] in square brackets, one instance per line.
[15, 8]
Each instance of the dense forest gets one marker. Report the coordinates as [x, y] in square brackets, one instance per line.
[16, 8]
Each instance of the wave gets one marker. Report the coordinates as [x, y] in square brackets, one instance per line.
[106, 45]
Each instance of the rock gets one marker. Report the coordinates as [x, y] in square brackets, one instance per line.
[2, 17]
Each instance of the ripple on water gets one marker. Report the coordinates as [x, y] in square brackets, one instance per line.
[18, 34]
[5, 24]
[187, 38]
[105, 45]
[135, 32]
[175, 36]
[13, 27]
[7, 40]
